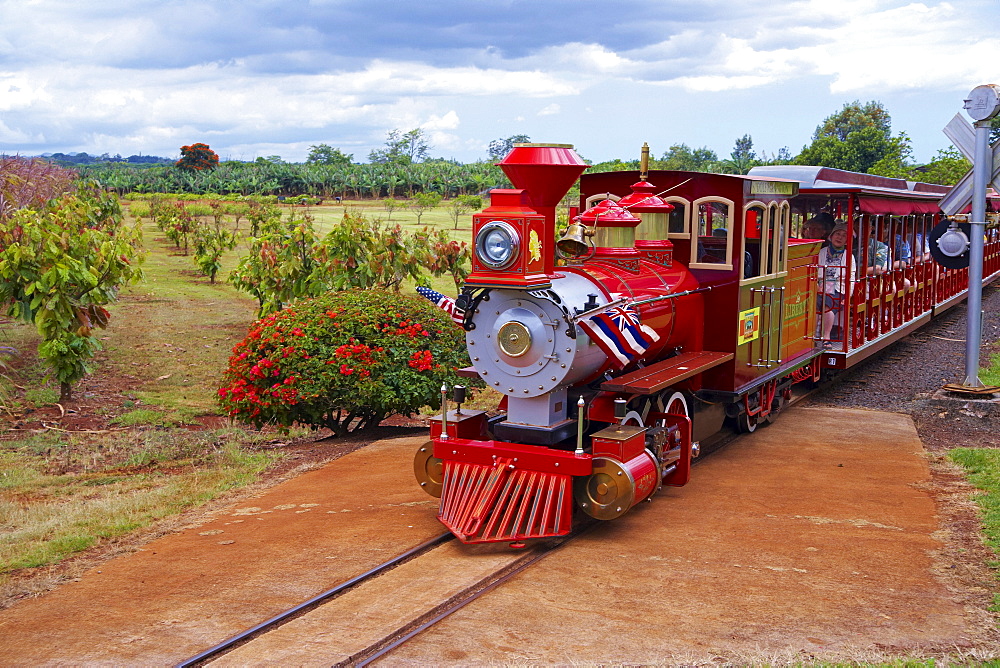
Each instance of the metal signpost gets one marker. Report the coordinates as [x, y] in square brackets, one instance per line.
[974, 143]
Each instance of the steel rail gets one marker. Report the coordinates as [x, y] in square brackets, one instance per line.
[278, 620]
[457, 602]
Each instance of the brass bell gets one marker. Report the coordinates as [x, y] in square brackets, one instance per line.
[574, 240]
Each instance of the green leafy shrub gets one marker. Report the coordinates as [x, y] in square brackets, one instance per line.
[211, 240]
[345, 361]
[60, 265]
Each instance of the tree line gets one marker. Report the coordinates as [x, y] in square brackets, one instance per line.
[859, 137]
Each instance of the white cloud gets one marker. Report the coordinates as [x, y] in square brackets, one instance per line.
[447, 122]
[141, 75]
[865, 45]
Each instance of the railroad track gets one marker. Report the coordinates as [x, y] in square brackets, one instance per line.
[241, 648]
[283, 618]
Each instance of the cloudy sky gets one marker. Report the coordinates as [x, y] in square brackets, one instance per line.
[272, 77]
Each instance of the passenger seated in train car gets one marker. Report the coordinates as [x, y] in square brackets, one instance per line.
[903, 250]
[818, 227]
[836, 279]
[878, 252]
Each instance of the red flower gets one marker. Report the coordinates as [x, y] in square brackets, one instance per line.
[421, 360]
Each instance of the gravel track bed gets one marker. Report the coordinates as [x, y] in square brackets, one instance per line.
[907, 378]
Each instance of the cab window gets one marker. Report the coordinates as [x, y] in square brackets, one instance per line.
[677, 220]
[756, 232]
[713, 249]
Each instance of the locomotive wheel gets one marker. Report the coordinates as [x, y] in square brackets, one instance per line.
[606, 493]
[746, 424]
[428, 469]
[675, 404]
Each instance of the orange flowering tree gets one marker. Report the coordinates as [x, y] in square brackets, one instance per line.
[197, 157]
[345, 360]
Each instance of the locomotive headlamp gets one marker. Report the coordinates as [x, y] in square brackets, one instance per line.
[497, 244]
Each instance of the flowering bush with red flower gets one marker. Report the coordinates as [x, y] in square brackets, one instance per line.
[344, 360]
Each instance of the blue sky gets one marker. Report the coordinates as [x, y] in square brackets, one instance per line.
[271, 77]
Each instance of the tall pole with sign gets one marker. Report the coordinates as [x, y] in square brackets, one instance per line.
[982, 105]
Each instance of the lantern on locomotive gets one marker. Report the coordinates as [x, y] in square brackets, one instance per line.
[517, 477]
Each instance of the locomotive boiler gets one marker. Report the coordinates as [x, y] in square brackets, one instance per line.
[673, 303]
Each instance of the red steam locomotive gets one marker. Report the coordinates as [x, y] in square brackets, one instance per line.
[679, 301]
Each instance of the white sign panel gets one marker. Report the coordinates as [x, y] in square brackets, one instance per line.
[963, 136]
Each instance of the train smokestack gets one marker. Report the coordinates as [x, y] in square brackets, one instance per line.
[545, 172]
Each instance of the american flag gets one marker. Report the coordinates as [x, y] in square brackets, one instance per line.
[618, 332]
[442, 302]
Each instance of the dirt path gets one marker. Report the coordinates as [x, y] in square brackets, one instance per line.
[817, 537]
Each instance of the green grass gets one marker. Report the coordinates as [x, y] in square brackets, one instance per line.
[983, 468]
[327, 215]
[55, 501]
[153, 418]
[991, 374]
[42, 396]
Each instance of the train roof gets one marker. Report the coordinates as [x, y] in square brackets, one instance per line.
[827, 180]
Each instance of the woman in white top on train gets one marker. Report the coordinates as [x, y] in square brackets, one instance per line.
[836, 279]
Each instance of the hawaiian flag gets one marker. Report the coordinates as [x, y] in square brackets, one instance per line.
[618, 332]
[442, 302]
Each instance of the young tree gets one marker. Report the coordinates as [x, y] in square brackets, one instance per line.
[462, 205]
[425, 201]
[402, 148]
[447, 256]
[60, 265]
[391, 204]
[30, 183]
[368, 254]
[197, 157]
[211, 240]
[285, 262]
[323, 154]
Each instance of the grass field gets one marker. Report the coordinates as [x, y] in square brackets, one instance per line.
[147, 453]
